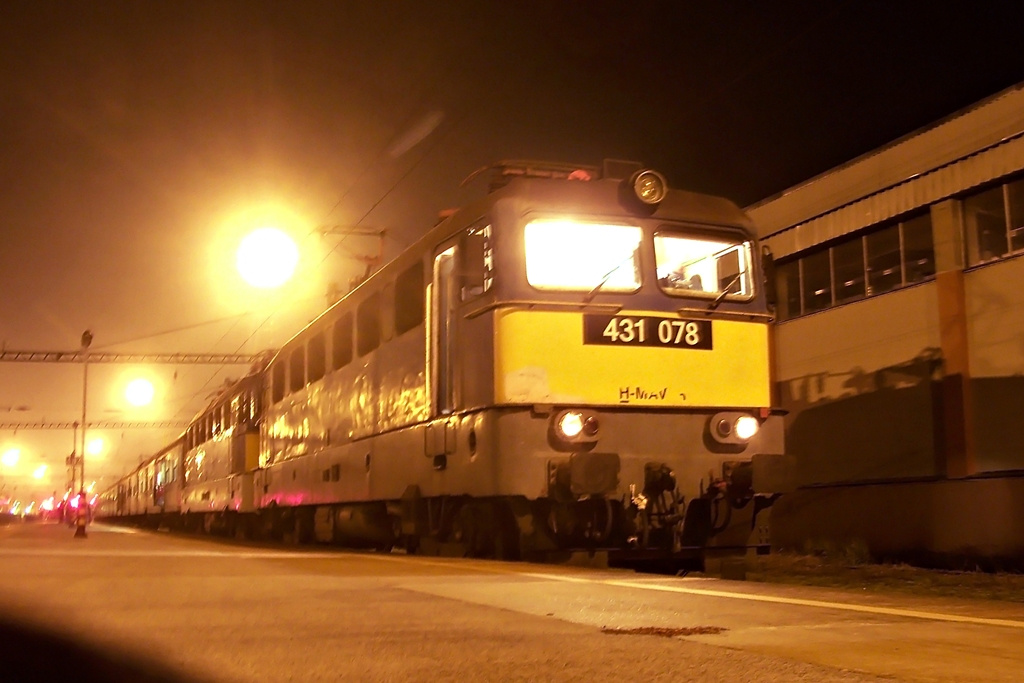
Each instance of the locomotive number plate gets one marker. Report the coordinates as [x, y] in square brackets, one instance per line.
[627, 330]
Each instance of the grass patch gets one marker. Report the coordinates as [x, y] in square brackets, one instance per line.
[854, 570]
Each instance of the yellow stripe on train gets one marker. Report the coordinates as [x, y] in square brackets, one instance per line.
[541, 357]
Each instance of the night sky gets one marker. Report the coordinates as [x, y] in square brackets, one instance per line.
[141, 139]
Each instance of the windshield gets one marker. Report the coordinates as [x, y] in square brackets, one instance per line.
[704, 266]
[567, 255]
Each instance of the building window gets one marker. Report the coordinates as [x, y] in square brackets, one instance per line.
[889, 256]
[817, 282]
[848, 268]
[788, 283]
[985, 226]
[918, 249]
[885, 265]
[1015, 206]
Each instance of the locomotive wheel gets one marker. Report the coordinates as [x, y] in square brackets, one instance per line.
[240, 528]
[289, 529]
[507, 536]
[464, 530]
[297, 526]
[269, 524]
[487, 529]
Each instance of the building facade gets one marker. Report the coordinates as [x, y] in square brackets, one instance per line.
[899, 343]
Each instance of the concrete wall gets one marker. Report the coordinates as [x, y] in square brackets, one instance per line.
[865, 387]
[957, 524]
[858, 381]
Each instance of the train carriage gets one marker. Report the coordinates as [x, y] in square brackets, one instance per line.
[218, 454]
[203, 480]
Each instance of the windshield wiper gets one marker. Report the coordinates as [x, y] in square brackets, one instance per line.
[725, 292]
[606, 277]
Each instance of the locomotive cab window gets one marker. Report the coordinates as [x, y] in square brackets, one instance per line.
[584, 257]
[703, 266]
[476, 262]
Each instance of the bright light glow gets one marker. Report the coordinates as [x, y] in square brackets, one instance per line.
[139, 392]
[47, 504]
[746, 427]
[267, 258]
[10, 457]
[95, 446]
[39, 472]
[571, 424]
[563, 254]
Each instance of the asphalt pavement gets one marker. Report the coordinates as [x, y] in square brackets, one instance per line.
[123, 606]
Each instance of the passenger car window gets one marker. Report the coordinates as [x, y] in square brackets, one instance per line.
[368, 324]
[341, 342]
[409, 298]
[317, 357]
[297, 369]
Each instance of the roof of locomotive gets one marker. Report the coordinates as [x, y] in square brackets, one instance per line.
[606, 189]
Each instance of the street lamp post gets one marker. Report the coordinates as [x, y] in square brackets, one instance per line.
[82, 509]
[73, 459]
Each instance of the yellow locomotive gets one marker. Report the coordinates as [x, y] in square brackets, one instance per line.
[579, 360]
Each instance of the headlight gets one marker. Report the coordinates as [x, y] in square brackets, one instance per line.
[572, 427]
[746, 426]
[733, 428]
[649, 186]
[570, 424]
